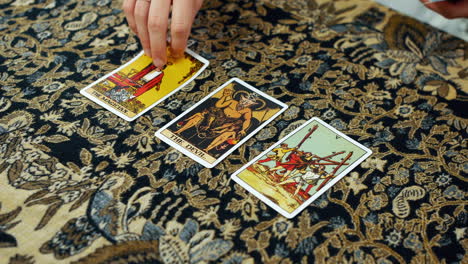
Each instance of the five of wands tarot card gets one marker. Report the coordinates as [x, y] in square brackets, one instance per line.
[292, 173]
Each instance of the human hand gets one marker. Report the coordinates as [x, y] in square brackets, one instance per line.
[149, 20]
[448, 8]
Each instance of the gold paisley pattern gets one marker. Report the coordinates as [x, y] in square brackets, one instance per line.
[79, 185]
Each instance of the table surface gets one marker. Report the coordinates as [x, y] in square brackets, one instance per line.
[78, 184]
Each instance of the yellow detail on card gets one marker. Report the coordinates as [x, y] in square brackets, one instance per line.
[137, 86]
[189, 147]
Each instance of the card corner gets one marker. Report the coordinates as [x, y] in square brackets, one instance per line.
[208, 166]
[289, 216]
[315, 118]
[83, 91]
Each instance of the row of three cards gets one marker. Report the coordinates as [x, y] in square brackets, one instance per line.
[288, 176]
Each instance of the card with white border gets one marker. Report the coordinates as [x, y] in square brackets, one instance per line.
[137, 86]
[217, 125]
[301, 166]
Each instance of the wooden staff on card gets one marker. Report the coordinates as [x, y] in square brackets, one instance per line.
[334, 171]
[307, 136]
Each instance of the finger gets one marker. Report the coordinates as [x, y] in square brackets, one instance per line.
[430, 1]
[198, 4]
[141, 19]
[450, 9]
[129, 10]
[182, 18]
[157, 26]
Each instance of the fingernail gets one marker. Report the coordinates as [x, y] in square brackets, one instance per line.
[176, 54]
[159, 64]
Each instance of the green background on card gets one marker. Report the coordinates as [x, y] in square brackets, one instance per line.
[323, 142]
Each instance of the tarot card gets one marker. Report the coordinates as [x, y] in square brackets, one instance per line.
[221, 122]
[136, 87]
[292, 173]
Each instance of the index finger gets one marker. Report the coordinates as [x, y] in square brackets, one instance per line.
[157, 26]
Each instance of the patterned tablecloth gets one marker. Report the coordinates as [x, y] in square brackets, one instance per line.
[78, 184]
